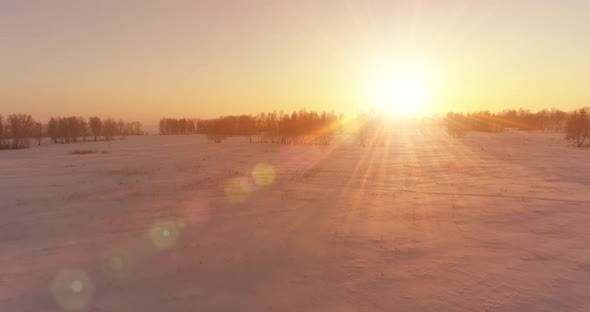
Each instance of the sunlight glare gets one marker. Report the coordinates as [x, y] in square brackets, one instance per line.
[404, 90]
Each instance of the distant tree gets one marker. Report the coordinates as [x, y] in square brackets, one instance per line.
[303, 127]
[121, 128]
[52, 129]
[191, 126]
[2, 133]
[456, 124]
[67, 129]
[84, 131]
[557, 120]
[134, 128]
[72, 129]
[137, 128]
[577, 128]
[19, 129]
[109, 128]
[38, 132]
[63, 132]
[95, 124]
[182, 126]
[128, 128]
[248, 126]
[163, 127]
[168, 126]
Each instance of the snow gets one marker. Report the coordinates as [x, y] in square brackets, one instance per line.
[488, 222]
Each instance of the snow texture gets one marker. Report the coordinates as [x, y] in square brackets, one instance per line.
[488, 222]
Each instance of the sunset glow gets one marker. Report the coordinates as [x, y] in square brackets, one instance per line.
[294, 155]
[144, 60]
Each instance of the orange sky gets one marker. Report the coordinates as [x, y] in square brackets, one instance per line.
[148, 59]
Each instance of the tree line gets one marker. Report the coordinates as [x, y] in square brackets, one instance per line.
[17, 130]
[169, 126]
[575, 124]
[74, 129]
[311, 127]
[299, 127]
[303, 127]
[521, 119]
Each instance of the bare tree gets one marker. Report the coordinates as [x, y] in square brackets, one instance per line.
[2, 133]
[557, 120]
[456, 124]
[62, 130]
[83, 128]
[38, 132]
[577, 128]
[109, 128]
[19, 128]
[121, 128]
[135, 128]
[52, 131]
[299, 127]
[95, 127]
[72, 129]
[169, 126]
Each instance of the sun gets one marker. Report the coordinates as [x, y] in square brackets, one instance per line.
[403, 91]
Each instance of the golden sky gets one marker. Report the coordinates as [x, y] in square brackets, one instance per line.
[148, 59]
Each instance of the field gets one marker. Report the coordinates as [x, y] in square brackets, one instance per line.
[488, 222]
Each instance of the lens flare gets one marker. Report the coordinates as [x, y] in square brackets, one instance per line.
[77, 286]
[72, 289]
[117, 261]
[263, 174]
[164, 234]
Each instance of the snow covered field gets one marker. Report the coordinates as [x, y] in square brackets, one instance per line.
[489, 222]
